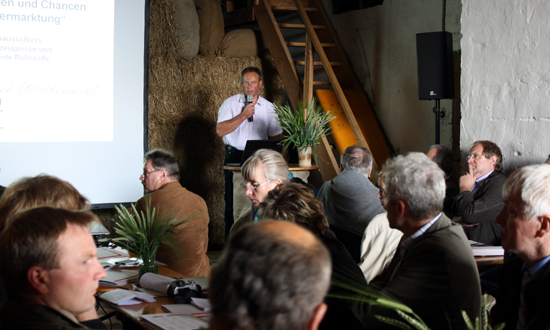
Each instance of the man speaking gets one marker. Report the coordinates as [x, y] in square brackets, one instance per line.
[243, 117]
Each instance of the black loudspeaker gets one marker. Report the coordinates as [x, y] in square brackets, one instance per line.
[434, 53]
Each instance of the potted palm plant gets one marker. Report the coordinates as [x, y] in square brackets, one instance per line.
[303, 128]
[143, 233]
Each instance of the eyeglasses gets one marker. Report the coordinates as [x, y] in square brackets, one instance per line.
[474, 156]
[254, 186]
[146, 174]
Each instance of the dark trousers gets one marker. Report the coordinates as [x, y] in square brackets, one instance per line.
[232, 155]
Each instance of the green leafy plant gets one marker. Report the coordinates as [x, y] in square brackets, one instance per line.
[305, 126]
[144, 232]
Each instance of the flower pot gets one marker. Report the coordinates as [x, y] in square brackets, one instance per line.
[304, 155]
[148, 266]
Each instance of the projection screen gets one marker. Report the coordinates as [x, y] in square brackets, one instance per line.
[73, 94]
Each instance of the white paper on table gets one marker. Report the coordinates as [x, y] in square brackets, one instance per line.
[107, 253]
[118, 277]
[202, 303]
[120, 297]
[155, 282]
[186, 309]
[175, 321]
[488, 251]
[129, 302]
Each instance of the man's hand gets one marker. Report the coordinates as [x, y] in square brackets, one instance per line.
[468, 180]
[248, 110]
[228, 126]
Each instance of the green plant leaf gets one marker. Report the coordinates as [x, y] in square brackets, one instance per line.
[305, 126]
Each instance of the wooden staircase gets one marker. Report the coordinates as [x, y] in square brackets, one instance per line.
[321, 49]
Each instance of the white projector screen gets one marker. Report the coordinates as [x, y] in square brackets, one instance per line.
[73, 94]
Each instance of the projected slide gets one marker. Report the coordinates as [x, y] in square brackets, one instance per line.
[56, 78]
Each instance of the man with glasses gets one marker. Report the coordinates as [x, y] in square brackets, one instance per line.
[523, 297]
[160, 178]
[433, 271]
[243, 117]
[480, 197]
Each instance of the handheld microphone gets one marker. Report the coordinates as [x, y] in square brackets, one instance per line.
[250, 99]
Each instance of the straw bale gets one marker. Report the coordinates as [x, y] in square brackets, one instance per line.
[184, 98]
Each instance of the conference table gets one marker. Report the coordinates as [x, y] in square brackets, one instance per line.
[130, 315]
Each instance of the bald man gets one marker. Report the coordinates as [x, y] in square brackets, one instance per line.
[278, 255]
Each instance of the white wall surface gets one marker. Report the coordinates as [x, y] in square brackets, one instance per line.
[505, 79]
[381, 44]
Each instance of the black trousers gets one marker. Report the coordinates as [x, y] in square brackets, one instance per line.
[232, 155]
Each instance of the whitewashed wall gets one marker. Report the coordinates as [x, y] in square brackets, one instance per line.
[506, 77]
[381, 44]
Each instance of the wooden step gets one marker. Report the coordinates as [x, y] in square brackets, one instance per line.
[318, 63]
[300, 26]
[321, 83]
[286, 8]
[303, 44]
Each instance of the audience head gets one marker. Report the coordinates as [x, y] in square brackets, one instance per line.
[357, 159]
[548, 160]
[485, 156]
[273, 275]
[444, 157]
[525, 217]
[160, 168]
[41, 190]
[413, 184]
[251, 81]
[263, 171]
[48, 257]
[294, 202]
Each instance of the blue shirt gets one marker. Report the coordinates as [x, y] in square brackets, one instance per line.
[537, 269]
[425, 227]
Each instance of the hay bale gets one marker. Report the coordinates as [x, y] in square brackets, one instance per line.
[188, 31]
[184, 98]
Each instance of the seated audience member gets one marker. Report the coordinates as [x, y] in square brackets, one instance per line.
[44, 190]
[349, 200]
[263, 171]
[295, 203]
[548, 160]
[433, 271]
[41, 190]
[379, 241]
[444, 157]
[54, 279]
[523, 298]
[480, 198]
[160, 178]
[273, 275]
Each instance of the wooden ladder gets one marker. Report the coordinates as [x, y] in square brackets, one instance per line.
[321, 38]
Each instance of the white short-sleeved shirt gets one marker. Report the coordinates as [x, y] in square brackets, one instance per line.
[265, 122]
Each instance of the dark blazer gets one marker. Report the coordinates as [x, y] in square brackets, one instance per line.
[482, 208]
[339, 314]
[437, 278]
[537, 298]
[27, 316]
